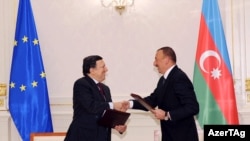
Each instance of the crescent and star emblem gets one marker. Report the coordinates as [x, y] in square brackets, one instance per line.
[215, 73]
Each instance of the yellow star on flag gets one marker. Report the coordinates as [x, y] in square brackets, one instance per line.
[34, 84]
[12, 85]
[23, 88]
[15, 43]
[25, 39]
[35, 42]
[43, 74]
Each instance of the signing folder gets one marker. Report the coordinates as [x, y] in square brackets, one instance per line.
[142, 102]
[111, 118]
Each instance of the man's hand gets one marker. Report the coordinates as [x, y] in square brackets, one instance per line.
[121, 106]
[125, 105]
[159, 114]
[121, 128]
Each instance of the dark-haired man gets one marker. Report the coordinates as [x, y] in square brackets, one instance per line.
[90, 99]
[174, 98]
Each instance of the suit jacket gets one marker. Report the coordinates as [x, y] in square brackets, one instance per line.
[88, 106]
[176, 96]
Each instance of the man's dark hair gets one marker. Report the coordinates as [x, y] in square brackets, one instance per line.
[89, 62]
[168, 51]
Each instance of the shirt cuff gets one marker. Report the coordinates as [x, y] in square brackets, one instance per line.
[167, 116]
[131, 104]
[111, 105]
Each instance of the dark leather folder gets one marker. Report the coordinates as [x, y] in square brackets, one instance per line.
[111, 118]
[142, 102]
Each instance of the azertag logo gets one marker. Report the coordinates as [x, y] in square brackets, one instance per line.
[216, 72]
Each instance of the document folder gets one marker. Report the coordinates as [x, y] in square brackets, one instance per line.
[142, 102]
[111, 118]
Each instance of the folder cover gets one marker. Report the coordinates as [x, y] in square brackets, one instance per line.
[142, 102]
[111, 118]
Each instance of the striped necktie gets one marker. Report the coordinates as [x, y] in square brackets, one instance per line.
[99, 85]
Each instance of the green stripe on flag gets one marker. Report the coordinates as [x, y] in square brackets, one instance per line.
[210, 112]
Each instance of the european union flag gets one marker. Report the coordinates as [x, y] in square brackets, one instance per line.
[28, 95]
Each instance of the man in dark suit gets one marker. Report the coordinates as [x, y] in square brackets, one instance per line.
[90, 100]
[175, 98]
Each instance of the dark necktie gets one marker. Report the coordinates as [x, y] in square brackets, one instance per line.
[162, 80]
[101, 90]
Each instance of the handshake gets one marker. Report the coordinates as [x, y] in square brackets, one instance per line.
[121, 106]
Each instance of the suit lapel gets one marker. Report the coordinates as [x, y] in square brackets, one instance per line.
[94, 85]
[163, 90]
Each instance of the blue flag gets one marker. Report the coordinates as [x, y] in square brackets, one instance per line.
[28, 95]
